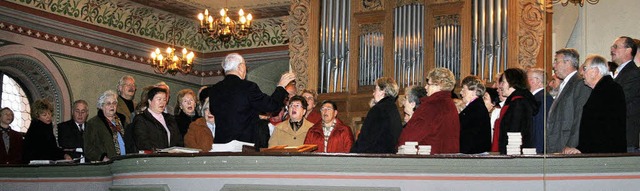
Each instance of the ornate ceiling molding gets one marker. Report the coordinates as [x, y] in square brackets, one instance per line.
[135, 19]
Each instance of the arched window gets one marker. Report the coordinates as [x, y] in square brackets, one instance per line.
[13, 96]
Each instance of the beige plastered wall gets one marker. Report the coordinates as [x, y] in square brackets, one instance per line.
[593, 28]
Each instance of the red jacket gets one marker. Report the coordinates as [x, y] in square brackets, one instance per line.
[340, 140]
[14, 156]
[314, 117]
[436, 123]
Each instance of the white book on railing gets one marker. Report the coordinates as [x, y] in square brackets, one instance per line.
[233, 146]
[179, 150]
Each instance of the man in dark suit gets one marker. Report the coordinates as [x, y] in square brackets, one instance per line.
[602, 128]
[628, 76]
[563, 123]
[70, 132]
[236, 102]
[536, 78]
[10, 140]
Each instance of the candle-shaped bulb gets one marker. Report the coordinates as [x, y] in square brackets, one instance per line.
[206, 12]
[169, 50]
[222, 12]
[157, 50]
[243, 20]
[184, 51]
[241, 12]
[153, 55]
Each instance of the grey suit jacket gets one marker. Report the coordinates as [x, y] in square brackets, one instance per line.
[563, 123]
[629, 79]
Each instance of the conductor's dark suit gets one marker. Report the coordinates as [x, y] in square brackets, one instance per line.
[236, 103]
[70, 137]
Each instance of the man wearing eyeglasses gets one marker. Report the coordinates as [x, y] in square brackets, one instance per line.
[126, 91]
[563, 122]
[293, 131]
[602, 127]
[628, 76]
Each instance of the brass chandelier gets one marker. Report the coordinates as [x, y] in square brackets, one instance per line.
[574, 2]
[170, 62]
[223, 28]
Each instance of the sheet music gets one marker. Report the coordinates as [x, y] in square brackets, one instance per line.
[233, 146]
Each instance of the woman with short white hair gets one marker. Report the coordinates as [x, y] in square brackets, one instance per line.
[104, 136]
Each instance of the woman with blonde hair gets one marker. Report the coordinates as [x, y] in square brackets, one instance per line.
[186, 110]
[382, 126]
[436, 121]
[39, 142]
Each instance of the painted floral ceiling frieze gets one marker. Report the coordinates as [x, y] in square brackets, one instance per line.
[153, 24]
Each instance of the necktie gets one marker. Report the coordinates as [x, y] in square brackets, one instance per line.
[81, 128]
[5, 138]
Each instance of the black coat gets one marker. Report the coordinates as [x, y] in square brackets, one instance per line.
[602, 127]
[538, 119]
[40, 143]
[236, 104]
[518, 117]
[150, 134]
[70, 137]
[380, 129]
[475, 128]
[629, 79]
[183, 120]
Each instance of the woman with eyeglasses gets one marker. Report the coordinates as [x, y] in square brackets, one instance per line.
[436, 121]
[382, 126]
[292, 131]
[517, 112]
[104, 136]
